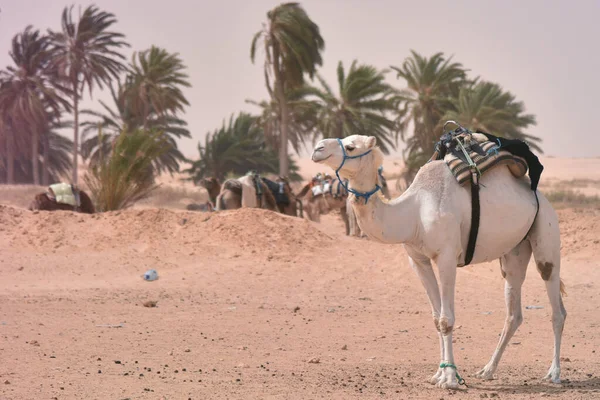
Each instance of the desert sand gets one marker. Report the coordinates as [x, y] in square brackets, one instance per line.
[255, 305]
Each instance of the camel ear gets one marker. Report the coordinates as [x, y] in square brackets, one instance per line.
[371, 142]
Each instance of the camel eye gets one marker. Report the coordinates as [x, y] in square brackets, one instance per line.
[349, 147]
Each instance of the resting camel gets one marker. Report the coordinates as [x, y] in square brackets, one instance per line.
[213, 187]
[241, 192]
[432, 219]
[47, 201]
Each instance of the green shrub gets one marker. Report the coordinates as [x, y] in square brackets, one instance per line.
[126, 176]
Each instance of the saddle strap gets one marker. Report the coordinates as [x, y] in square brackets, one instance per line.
[475, 214]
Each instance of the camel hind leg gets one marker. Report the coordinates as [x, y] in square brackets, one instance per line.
[514, 269]
[545, 242]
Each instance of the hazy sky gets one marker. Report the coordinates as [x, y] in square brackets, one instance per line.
[545, 52]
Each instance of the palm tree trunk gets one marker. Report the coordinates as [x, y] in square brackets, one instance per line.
[75, 132]
[10, 156]
[35, 157]
[46, 150]
[283, 140]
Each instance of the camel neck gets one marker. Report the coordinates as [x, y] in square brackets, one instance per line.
[395, 221]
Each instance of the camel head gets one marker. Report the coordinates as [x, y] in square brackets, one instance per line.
[331, 153]
[209, 183]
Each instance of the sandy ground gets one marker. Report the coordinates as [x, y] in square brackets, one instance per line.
[247, 299]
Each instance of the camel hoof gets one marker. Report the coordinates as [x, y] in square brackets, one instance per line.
[448, 379]
[449, 385]
[553, 375]
[435, 379]
[487, 373]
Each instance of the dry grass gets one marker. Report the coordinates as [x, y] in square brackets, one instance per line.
[564, 198]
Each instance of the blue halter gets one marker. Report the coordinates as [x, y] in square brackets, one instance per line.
[366, 195]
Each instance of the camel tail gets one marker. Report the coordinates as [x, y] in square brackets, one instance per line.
[563, 291]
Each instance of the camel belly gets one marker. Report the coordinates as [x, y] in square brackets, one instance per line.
[507, 212]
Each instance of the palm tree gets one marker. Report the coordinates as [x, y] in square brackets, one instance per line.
[432, 85]
[155, 84]
[86, 54]
[29, 98]
[234, 149]
[125, 119]
[293, 46]
[57, 160]
[301, 122]
[484, 106]
[363, 106]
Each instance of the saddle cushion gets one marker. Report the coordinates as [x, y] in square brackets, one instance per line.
[278, 191]
[318, 190]
[62, 193]
[492, 158]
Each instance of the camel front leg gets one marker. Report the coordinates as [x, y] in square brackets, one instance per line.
[447, 271]
[422, 266]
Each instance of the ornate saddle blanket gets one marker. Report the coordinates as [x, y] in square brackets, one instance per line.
[333, 187]
[485, 154]
[278, 190]
[64, 193]
[321, 188]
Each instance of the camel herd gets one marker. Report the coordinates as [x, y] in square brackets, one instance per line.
[320, 196]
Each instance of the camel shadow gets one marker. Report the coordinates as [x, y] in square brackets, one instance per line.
[591, 385]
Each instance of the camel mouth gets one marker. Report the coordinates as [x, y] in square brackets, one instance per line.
[321, 160]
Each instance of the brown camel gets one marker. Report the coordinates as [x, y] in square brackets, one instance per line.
[213, 187]
[319, 197]
[47, 202]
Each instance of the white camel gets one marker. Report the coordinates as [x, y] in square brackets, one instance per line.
[432, 219]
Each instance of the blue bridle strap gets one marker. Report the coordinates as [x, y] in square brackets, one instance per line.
[366, 195]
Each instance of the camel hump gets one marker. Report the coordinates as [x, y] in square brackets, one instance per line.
[233, 185]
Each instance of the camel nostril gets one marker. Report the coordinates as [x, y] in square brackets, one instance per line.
[320, 148]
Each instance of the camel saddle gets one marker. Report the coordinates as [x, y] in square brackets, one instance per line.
[64, 193]
[278, 190]
[469, 155]
[485, 151]
[328, 186]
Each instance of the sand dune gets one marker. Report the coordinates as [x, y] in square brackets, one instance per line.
[247, 298]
